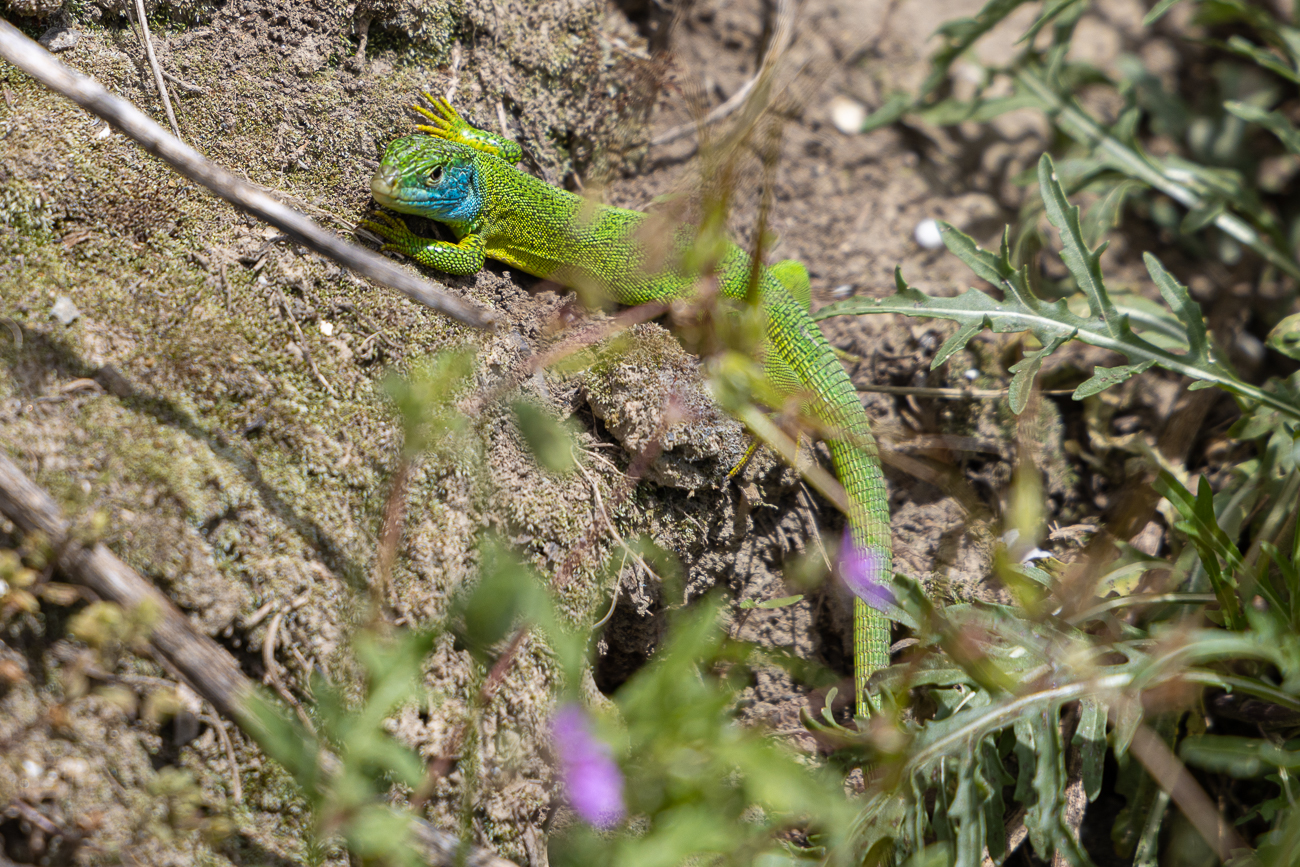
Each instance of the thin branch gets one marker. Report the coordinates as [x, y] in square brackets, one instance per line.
[187, 86]
[208, 667]
[90, 95]
[236, 785]
[147, 39]
[953, 393]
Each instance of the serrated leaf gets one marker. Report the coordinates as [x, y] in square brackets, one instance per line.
[987, 265]
[965, 810]
[1104, 214]
[1026, 752]
[995, 777]
[1201, 526]
[1104, 377]
[1024, 371]
[1043, 810]
[1105, 326]
[1083, 264]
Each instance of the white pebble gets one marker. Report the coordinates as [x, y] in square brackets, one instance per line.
[847, 115]
[64, 310]
[842, 291]
[327, 328]
[927, 234]
[971, 375]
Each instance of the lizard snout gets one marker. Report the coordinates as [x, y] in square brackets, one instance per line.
[384, 182]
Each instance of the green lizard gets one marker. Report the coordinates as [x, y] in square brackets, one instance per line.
[466, 179]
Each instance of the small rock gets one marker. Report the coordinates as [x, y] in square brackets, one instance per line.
[64, 310]
[928, 235]
[847, 115]
[58, 38]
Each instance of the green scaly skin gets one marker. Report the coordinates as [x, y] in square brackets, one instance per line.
[466, 178]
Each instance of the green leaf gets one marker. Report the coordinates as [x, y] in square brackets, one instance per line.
[1105, 325]
[1237, 756]
[783, 602]
[1104, 377]
[1201, 526]
[550, 441]
[1024, 371]
[1263, 57]
[958, 35]
[957, 342]
[1273, 121]
[1051, 10]
[1128, 716]
[893, 108]
[1104, 214]
[1284, 338]
[1083, 263]
[987, 266]
[1202, 215]
[1042, 789]
[507, 591]
[1090, 736]
[965, 810]
[1157, 12]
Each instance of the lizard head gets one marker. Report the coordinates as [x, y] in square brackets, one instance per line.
[429, 177]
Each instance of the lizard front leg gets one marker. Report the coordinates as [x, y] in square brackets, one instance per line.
[462, 258]
[449, 125]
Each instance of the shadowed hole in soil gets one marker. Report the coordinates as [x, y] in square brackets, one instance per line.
[628, 641]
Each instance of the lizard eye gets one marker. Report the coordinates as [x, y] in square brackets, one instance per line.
[435, 176]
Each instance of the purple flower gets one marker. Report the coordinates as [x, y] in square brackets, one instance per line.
[861, 569]
[590, 776]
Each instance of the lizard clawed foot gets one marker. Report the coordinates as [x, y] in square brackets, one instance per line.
[400, 239]
[447, 123]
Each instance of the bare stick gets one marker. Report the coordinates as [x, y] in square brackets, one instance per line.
[210, 670]
[90, 95]
[208, 667]
[236, 785]
[1177, 781]
[147, 39]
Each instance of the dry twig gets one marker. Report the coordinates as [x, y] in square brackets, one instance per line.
[205, 665]
[147, 39]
